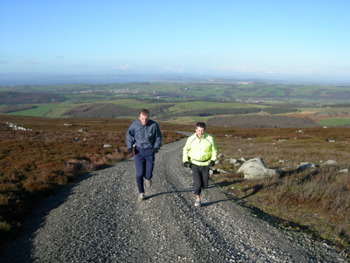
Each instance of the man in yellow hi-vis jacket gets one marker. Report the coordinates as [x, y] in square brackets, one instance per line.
[199, 153]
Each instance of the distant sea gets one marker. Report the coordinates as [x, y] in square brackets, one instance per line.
[64, 80]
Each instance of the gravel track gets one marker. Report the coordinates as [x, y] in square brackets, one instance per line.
[98, 219]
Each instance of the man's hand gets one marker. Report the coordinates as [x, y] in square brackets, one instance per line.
[212, 163]
[155, 150]
[186, 164]
[129, 151]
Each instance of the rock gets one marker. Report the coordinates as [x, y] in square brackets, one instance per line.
[255, 168]
[222, 171]
[330, 163]
[220, 155]
[242, 159]
[233, 161]
[304, 165]
[343, 171]
[107, 145]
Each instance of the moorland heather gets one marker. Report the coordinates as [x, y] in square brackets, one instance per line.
[51, 153]
[34, 163]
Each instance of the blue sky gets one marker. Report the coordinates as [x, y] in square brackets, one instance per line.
[229, 38]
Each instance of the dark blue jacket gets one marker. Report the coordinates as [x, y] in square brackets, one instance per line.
[144, 136]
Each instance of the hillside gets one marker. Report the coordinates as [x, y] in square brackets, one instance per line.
[186, 102]
[56, 151]
[98, 219]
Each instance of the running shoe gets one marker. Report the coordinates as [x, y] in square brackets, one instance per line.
[148, 183]
[197, 202]
[141, 197]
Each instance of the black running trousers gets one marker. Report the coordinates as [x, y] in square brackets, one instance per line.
[200, 178]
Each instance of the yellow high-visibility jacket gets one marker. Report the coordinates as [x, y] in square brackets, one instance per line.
[200, 151]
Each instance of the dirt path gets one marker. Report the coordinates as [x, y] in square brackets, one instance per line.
[98, 219]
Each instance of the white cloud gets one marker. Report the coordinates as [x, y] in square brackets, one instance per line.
[225, 67]
[265, 70]
[31, 61]
[305, 71]
[178, 69]
[126, 66]
[232, 68]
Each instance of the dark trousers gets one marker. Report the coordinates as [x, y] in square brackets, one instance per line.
[200, 178]
[144, 164]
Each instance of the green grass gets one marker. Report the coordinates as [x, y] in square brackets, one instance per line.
[195, 90]
[39, 111]
[59, 110]
[196, 105]
[179, 94]
[334, 122]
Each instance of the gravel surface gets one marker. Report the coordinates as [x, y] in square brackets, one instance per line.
[98, 219]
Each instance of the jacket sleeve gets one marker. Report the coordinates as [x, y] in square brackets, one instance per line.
[130, 133]
[158, 135]
[185, 151]
[214, 151]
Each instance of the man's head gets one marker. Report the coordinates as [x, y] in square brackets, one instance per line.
[143, 116]
[200, 129]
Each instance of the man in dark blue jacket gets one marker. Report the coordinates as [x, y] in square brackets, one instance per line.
[147, 138]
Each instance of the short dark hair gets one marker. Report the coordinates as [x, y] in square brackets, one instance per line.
[144, 112]
[200, 124]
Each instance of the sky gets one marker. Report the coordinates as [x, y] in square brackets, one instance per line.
[299, 38]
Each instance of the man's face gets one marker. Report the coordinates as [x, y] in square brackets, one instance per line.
[143, 119]
[199, 132]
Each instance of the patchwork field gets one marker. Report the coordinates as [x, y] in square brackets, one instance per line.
[184, 102]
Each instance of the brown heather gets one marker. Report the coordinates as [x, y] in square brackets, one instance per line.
[34, 163]
[315, 201]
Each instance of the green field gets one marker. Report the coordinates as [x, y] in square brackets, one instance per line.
[334, 122]
[186, 91]
[176, 101]
[39, 111]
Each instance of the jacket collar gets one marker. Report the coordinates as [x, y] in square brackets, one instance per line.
[203, 137]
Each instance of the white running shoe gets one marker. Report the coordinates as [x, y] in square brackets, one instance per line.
[148, 183]
[197, 202]
[141, 197]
